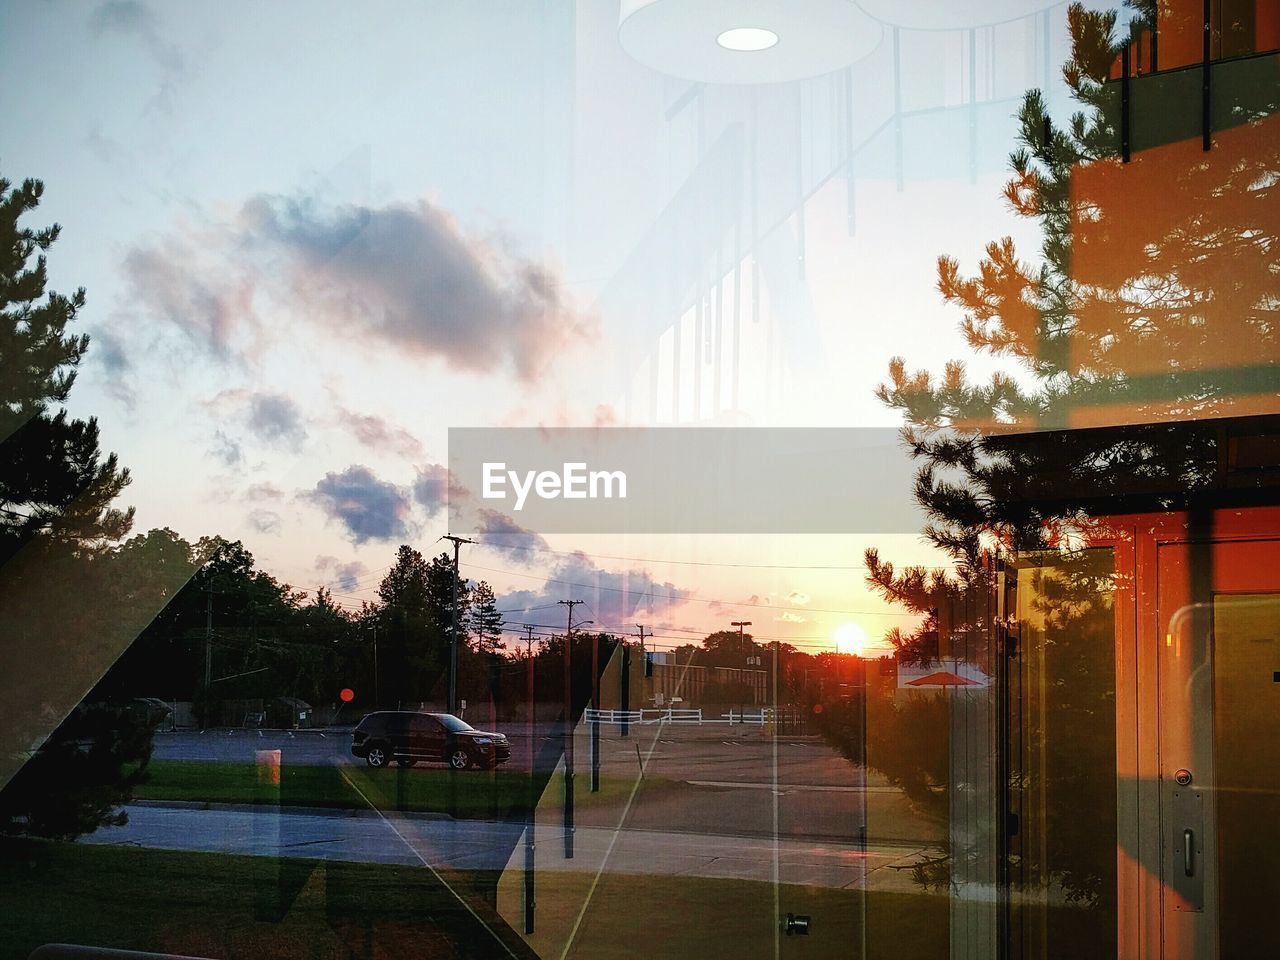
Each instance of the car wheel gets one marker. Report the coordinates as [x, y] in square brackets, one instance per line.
[459, 759]
[376, 757]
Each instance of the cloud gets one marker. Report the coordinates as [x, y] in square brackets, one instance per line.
[136, 20]
[272, 418]
[264, 491]
[369, 508]
[196, 295]
[344, 576]
[614, 599]
[108, 350]
[432, 488]
[378, 434]
[798, 598]
[732, 606]
[789, 617]
[275, 418]
[227, 450]
[501, 534]
[408, 274]
[265, 521]
[405, 275]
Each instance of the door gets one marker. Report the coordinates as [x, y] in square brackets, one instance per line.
[1218, 661]
[427, 738]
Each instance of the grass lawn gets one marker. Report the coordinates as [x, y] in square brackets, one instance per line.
[699, 917]
[216, 905]
[497, 794]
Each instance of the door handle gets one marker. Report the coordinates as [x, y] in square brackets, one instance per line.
[1188, 852]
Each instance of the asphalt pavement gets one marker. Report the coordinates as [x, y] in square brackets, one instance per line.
[442, 843]
[720, 800]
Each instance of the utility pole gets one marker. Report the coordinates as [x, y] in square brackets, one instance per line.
[568, 727]
[742, 649]
[208, 639]
[530, 820]
[208, 654]
[595, 705]
[626, 705]
[377, 695]
[453, 637]
[640, 627]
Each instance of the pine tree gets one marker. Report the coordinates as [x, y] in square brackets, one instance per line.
[54, 482]
[67, 607]
[1152, 302]
[405, 634]
[484, 622]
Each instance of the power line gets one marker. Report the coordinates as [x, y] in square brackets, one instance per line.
[687, 563]
[677, 599]
[550, 631]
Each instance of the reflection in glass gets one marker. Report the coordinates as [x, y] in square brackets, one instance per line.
[1246, 754]
[1062, 774]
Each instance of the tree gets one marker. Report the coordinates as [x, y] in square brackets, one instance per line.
[442, 586]
[81, 776]
[1153, 299]
[416, 614]
[484, 622]
[54, 482]
[1152, 303]
[404, 588]
[725, 648]
[65, 613]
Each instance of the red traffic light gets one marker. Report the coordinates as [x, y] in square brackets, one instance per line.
[346, 694]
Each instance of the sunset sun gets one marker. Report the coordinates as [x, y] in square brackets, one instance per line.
[850, 638]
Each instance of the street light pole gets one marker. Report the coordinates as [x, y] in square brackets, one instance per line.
[453, 637]
[567, 727]
[740, 624]
[377, 684]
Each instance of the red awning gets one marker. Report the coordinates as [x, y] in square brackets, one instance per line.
[943, 678]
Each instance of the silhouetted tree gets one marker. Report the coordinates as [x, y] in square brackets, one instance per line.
[55, 483]
[67, 606]
[484, 622]
[1153, 304]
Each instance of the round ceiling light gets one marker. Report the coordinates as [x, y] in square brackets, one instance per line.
[951, 14]
[747, 39]
[709, 41]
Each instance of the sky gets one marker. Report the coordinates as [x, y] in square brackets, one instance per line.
[317, 236]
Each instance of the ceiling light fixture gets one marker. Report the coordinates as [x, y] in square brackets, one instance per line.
[707, 41]
[747, 39]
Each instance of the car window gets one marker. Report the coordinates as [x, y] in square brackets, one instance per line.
[454, 725]
[424, 725]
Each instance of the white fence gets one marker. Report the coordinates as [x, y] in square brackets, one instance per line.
[669, 715]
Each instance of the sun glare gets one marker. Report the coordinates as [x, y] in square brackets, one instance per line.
[850, 638]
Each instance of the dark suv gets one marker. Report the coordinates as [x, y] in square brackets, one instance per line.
[408, 737]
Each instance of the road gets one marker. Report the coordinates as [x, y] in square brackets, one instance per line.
[444, 843]
[714, 778]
